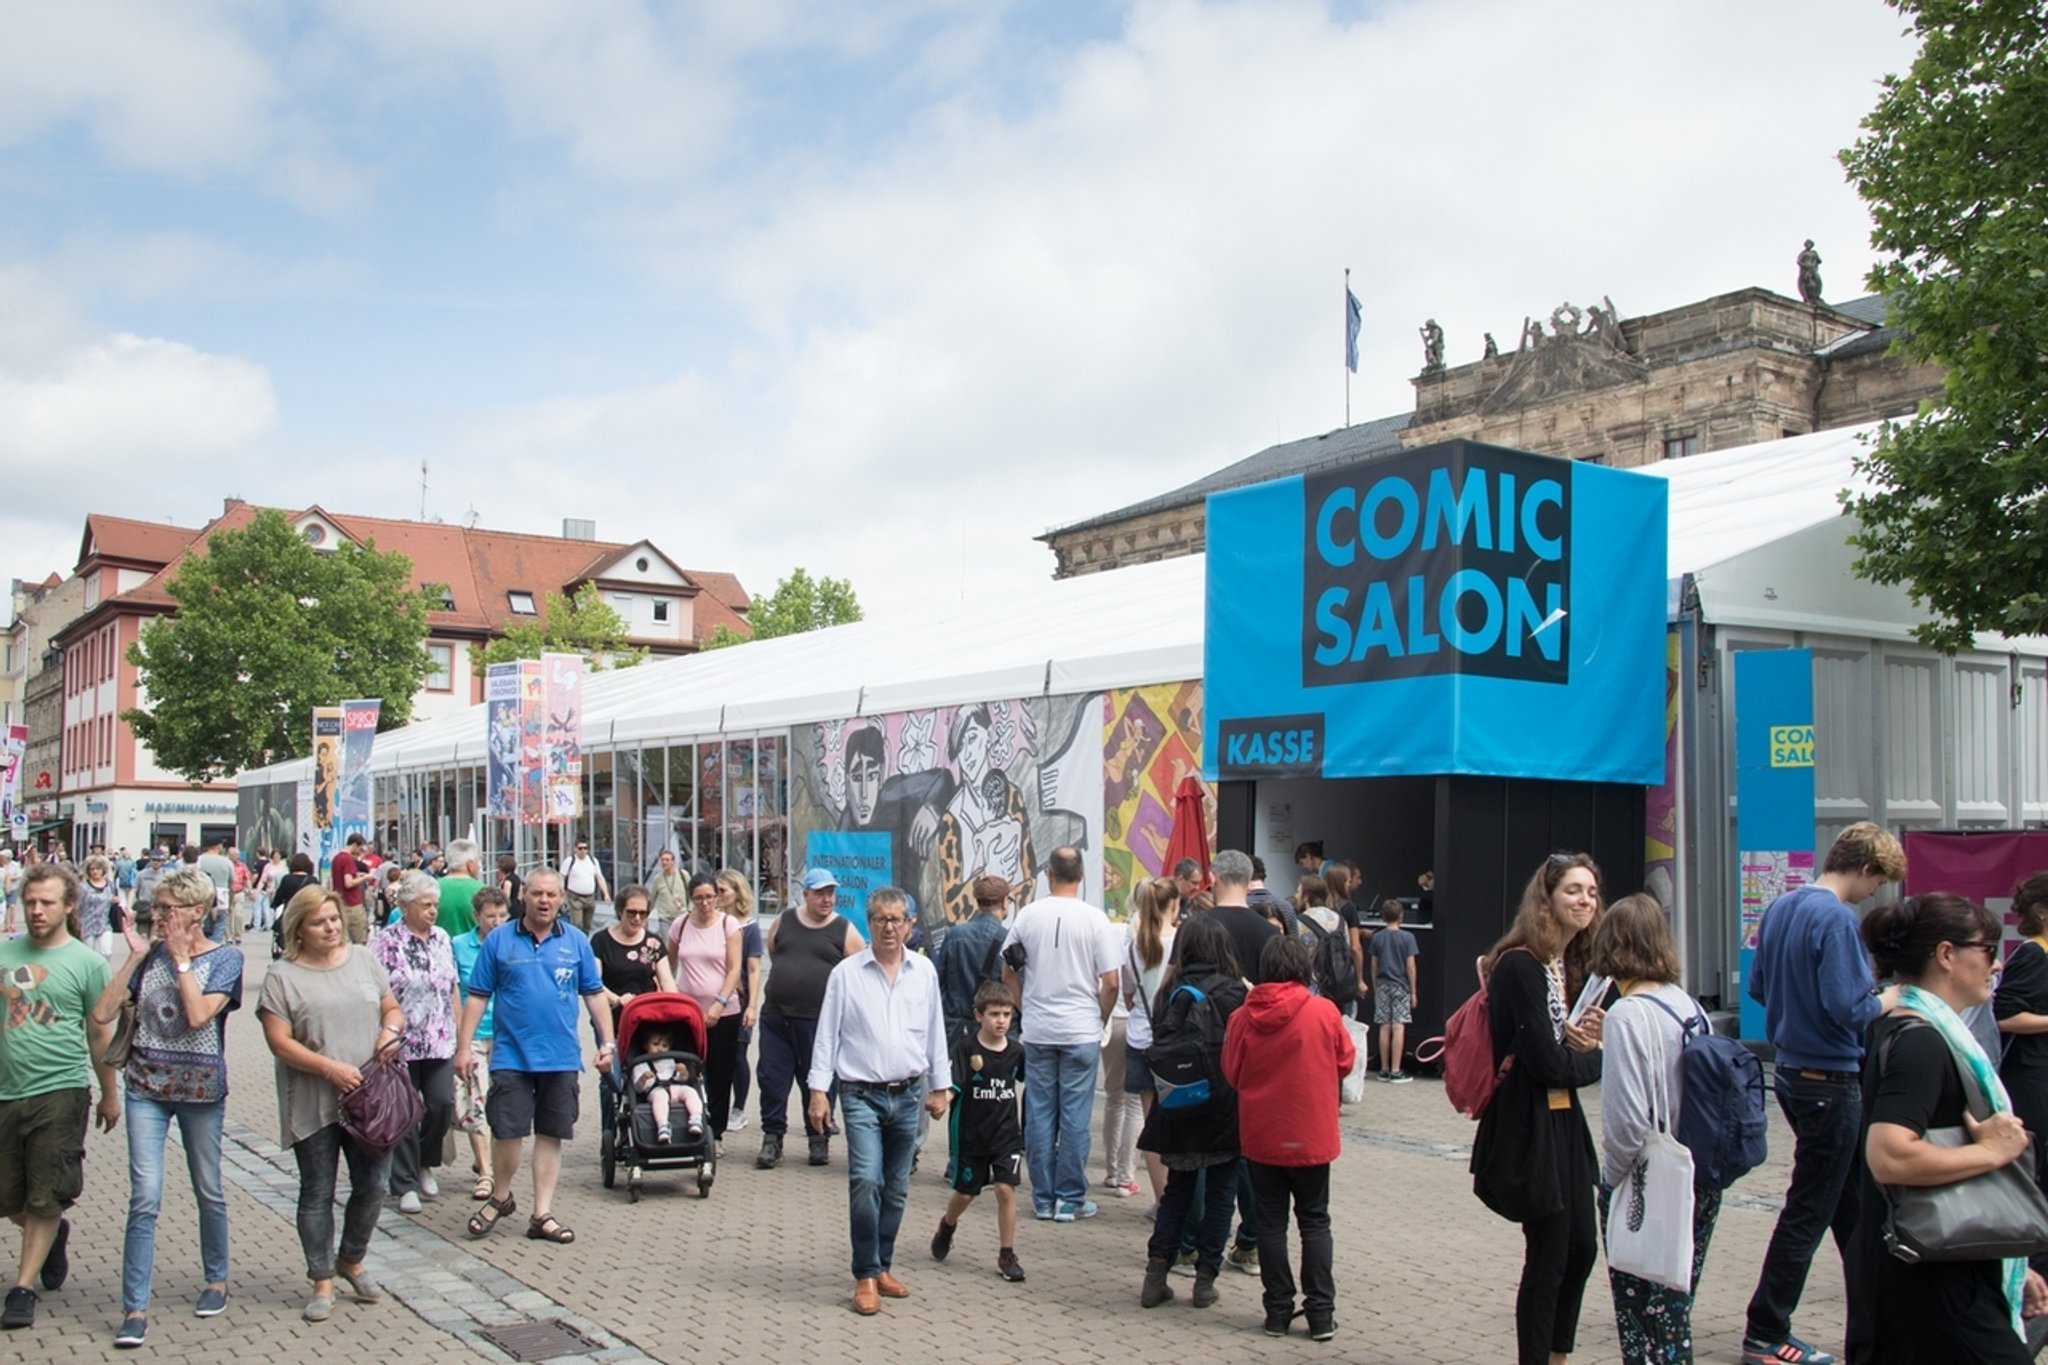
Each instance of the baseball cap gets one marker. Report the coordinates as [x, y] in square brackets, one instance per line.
[818, 879]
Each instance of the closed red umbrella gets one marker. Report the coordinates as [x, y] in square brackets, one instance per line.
[1190, 837]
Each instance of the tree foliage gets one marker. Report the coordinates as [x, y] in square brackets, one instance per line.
[799, 603]
[1953, 163]
[267, 629]
[584, 624]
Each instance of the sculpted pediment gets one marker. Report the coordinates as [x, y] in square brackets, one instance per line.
[1584, 350]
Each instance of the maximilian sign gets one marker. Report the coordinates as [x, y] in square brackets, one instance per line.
[1453, 566]
[1460, 608]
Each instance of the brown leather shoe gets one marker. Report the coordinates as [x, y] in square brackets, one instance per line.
[866, 1301]
[891, 1287]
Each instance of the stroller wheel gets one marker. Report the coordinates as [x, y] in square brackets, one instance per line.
[607, 1155]
[633, 1186]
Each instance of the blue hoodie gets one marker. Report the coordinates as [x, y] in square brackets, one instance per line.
[1813, 979]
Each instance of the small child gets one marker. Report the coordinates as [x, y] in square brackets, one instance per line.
[664, 1082]
[1285, 1052]
[988, 1134]
[1394, 951]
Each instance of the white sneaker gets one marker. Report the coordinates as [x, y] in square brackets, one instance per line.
[429, 1187]
[735, 1123]
[409, 1202]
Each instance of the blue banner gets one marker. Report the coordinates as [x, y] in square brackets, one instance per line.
[1773, 793]
[862, 861]
[1461, 608]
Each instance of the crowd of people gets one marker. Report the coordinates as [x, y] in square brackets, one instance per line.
[1217, 1018]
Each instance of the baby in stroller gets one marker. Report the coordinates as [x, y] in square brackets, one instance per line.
[667, 1083]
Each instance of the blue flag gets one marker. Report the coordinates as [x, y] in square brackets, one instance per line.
[1354, 317]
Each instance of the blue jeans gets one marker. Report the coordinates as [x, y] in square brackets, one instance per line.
[199, 1130]
[1826, 1116]
[318, 1155]
[1059, 1095]
[881, 1135]
[1177, 1212]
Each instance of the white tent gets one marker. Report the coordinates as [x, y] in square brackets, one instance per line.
[1758, 529]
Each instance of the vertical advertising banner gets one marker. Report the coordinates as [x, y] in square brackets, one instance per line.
[327, 746]
[1773, 793]
[358, 735]
[13, 815]
[501, 766]
[563, 710]
[532, 764]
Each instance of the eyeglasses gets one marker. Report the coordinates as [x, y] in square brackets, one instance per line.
[887, 921]
[632, 914]
[1566, 857]
[1990, 949]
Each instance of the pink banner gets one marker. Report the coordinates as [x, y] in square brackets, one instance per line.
[1983, 867]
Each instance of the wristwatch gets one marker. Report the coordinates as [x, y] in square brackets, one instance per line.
[183, 967]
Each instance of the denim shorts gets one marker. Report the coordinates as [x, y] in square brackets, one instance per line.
[1137, 1072]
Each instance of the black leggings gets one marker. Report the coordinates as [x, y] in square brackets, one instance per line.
[719, 1065]
[1560, 1252]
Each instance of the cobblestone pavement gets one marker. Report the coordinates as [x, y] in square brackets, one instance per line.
[759, 1270]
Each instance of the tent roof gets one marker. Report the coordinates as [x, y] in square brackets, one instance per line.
[1759, 528]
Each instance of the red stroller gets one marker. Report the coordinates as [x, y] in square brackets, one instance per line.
[630, 1137]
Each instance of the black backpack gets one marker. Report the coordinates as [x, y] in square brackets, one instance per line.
[1336, 970]
[1186, 1056]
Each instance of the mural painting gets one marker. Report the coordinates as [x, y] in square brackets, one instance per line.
[929, 800]
[1151, 739]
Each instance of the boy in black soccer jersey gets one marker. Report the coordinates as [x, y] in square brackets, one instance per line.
[988, 1134]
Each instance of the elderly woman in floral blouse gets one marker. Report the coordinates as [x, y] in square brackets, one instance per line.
[421, 963]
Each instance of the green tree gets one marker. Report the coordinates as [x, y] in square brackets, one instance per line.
[799, 603]
[267, 629]
[584, 624]
[1950, 164]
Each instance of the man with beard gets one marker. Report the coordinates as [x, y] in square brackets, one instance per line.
[50, 981]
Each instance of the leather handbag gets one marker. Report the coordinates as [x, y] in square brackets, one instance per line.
[1988, 1217]
[384, 1108]
[122, 1044]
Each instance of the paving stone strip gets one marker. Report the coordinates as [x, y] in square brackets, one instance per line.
[441, 1282]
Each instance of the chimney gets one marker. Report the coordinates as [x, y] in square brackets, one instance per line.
[229, 504]
[578, 528]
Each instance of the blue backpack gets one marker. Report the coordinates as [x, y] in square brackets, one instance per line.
[1723, 1119]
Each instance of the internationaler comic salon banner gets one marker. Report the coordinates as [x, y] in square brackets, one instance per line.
[1460, 608]
[533, 718]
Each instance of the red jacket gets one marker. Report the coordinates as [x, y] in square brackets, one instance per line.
[1285, 1052]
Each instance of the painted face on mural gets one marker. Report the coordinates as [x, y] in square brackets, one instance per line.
[863, 786]
[973, 753]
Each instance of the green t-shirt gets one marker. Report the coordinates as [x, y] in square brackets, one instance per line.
[458, 908]
[48, 992]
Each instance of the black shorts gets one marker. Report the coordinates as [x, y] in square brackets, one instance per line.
[543, 1102]
[974, 1172]
[42, 1152]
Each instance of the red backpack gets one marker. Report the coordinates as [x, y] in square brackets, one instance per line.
[1470, 1074]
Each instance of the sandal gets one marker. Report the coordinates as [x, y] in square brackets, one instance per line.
[482, 1190]
[480, 1226]
[544, 1228]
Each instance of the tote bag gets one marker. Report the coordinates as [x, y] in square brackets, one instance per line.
[1649, 1219]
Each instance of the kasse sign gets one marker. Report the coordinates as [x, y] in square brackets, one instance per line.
[1461, 608]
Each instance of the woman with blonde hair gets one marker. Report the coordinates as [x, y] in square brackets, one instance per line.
[736, 899]
[1155, 919]
[98, 898]
[1532, 1158]
[326, 1010]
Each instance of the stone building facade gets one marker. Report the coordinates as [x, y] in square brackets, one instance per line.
[1587, 384]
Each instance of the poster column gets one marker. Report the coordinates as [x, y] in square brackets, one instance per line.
[1773, 793]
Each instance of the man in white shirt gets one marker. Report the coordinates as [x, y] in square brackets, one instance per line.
[582, 886]
[1061, 959]
[882, 1039]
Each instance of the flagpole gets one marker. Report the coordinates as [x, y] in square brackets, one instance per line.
[1347, 333]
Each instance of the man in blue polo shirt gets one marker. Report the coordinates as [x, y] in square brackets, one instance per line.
[531, 973]
[1814, 981]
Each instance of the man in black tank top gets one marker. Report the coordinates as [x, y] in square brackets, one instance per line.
[802, 946]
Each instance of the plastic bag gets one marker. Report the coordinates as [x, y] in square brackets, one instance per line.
[469, 1109]
[1352, 1091]
[1649, 1220]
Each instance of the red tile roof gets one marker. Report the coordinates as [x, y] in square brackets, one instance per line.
[480, 567]
[139, 542]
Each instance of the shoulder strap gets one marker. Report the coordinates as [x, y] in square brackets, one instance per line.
[1697, 1024]
[1973, 1094]
[1320, 932]
[989, 971]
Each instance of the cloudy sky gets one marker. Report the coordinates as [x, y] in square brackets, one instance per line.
[884, 290]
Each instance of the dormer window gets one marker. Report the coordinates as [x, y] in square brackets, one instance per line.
[443, 595]
[521, 602]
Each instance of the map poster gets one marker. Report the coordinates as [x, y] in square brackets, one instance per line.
[1765, 877]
